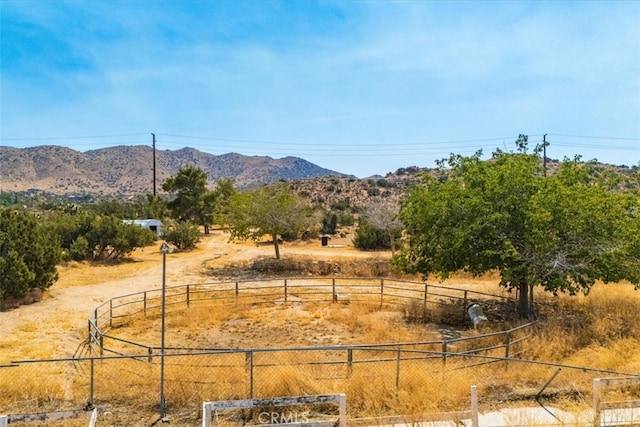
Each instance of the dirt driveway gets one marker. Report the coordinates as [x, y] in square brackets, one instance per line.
[55, 326]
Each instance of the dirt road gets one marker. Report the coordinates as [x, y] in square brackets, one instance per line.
[55, 326]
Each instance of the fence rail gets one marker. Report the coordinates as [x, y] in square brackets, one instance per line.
[122, 372]
[390, 291]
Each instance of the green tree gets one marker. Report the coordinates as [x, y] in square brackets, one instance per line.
[192, 201]
[562, 232]
[29, 254]
[271, 210]
[223, 194]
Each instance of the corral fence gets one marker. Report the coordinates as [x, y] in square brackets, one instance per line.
[417, 299]
[382, 379]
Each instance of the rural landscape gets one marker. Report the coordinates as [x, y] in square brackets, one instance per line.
[515, 278]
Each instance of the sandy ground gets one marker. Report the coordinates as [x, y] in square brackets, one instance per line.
[56, 326]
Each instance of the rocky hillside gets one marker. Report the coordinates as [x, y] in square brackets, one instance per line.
[128, 170]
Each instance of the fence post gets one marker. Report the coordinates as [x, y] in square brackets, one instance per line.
[424, 303]
[286, 291]
[349, 362]
[91, 374]
[111, 313]
[333, 290]
[444, 353]
[398, 370]
[381, 291]
[188, 296]
[101, 345]
[597, 388]
[150, 353]
[474, 406]
[237, 289]
[507, 342]
[144, 303]
[249, 362]
[4, 420]
[464, 305]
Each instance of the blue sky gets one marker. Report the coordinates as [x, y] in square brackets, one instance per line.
[360, 87]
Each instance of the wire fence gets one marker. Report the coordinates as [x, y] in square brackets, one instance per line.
[129, 377]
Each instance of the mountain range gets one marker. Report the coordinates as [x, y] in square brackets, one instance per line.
[128, 170]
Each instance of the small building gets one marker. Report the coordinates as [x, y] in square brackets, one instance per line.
[150, 224]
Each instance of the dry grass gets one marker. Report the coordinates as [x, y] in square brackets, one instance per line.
[600, 330]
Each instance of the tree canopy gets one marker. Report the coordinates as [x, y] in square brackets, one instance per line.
[29, 253]
[273, 210]
[562, 232]
[192, 201]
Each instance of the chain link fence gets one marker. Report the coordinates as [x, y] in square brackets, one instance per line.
[126, 379]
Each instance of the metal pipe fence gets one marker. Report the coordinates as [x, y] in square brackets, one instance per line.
[381, 379]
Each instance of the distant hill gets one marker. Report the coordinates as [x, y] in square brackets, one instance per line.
[128, 170]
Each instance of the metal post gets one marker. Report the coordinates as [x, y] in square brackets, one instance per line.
[349, 362]
[398, 370]
[188, 297]
[444, 352]
[249, 361]
[91, 381]
[286, 291]
[507, 343]
[333, 290]
[464, 305]
[425, 299]
[163, 402]
[381, 291]
[144, 308]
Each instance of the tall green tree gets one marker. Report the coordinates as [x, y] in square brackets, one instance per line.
[29, 254]
[271, 210]
[562, 232]
[192, 200]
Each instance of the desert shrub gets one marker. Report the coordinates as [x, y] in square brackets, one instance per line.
[184, 235]
[341, 205]
[329, 223]
[78, 249]
[346, 219]
[369, 238]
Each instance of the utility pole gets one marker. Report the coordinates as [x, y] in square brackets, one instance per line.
[544, 153]
[154, 164]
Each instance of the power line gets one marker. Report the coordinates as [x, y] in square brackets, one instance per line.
[595, 137]
[54, 138]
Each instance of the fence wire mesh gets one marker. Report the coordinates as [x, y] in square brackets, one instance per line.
[378, 379]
